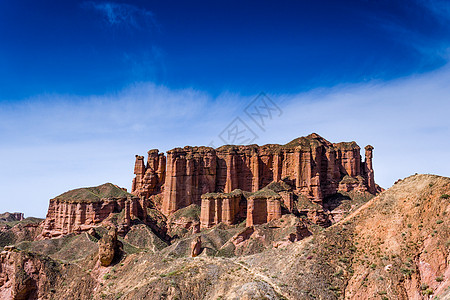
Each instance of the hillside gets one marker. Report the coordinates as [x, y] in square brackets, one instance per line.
[395, 246]
[93, 194]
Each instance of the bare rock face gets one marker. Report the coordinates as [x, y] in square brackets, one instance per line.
[262, 207]
[315, 166]
[9, 217]
[150, 178]
[108, 248]
[196, 246]
[22, 276]
[221, 208]
[82, 209]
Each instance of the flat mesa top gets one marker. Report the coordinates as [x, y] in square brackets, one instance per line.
[305, 143]
[93, 194]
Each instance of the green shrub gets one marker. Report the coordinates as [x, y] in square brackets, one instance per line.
[439, 222]
[119, 295]
[428, 292]
[407, 272]
[439, 279]
[445, 196]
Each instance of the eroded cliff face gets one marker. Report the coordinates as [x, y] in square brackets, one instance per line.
[81, 209]
[315, 167]
[9, 217]
[311, 166]
[23, 276]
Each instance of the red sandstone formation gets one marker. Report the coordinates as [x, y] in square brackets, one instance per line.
[231, 180]
[22, 276]
[196, 246]
[9, 217]
[262, 207]
[220, 207]
[108, 247]
[81, 209]
[315, 166]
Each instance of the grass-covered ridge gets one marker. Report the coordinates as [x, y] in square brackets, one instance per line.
[93, 194]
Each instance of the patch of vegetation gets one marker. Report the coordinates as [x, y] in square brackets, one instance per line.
[93, 194]
[445, 196]
[172, 273]
[428, 292]
[407, 272]
[190, 212]
[226, 251]
[7, 238]
[128, 248]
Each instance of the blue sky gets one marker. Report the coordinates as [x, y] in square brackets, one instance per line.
[85, 85]
[95, 47]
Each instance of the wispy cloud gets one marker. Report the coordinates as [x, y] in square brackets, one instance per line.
[440, 8]
[121, 14]
[53, 143]
[428, 36]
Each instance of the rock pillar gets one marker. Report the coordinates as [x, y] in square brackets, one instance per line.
[369, 169]
[254, 166]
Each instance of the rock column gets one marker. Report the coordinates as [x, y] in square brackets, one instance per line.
[369, 169]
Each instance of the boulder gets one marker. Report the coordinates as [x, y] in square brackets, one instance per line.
[108, 248]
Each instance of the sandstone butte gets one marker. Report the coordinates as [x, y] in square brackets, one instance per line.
[230, 184]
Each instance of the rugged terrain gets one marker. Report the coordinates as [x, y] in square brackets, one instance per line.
[393, 246]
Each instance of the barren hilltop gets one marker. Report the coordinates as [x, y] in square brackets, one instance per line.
[304, 220]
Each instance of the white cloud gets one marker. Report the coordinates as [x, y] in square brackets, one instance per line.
[53, 143]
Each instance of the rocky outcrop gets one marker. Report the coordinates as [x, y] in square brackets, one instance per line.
[315, 166]
[184, 221]
[262, 207]
[23, 276]
[81, 209]
[229, 208]
[196, 246]
[191, 172]
[150, 178]
[108, 248]
[25, 230]
[10, 217]
[221, 207]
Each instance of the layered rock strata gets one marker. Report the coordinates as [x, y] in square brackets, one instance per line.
[221, 207]
[23, 275]
[9, 217]
[81, 209]
[229, 208]
[314, 165]
[262, 207]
